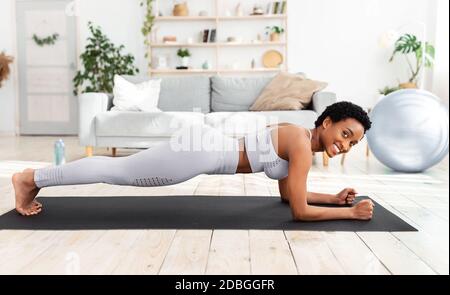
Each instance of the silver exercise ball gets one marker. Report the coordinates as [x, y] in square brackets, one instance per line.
[409, 130]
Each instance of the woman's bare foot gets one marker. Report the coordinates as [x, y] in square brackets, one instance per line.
[26, 190]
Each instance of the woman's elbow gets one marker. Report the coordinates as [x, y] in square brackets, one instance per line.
[303, 215]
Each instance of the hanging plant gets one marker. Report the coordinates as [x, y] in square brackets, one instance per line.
[5, 60]
[50, 40]
[101, 61]
[147, 26]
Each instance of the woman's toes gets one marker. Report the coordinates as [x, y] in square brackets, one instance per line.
[36, 204]
[32, 210]
[35, 211]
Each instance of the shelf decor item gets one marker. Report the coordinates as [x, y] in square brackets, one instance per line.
[239, 10]
[161, 62]
[180, 9]
[101, 61]
[258, 10]
[206, 65]
[274, 32]
[49, 40]
[278, 7]
[169, 39]
[5, 60]
[272, 59]
[184, 54]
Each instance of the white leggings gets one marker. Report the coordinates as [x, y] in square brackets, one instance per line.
[183, 157]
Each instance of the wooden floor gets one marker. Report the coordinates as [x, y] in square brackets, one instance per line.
[420, 199]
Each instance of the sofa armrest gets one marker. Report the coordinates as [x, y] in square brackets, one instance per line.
[321, 100]
[90, 104]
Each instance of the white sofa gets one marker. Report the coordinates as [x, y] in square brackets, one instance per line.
[221, 102]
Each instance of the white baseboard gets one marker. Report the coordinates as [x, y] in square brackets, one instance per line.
[7, 133]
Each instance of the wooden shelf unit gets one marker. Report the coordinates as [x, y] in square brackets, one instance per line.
[217, 46]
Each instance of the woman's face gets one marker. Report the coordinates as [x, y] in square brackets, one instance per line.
[340, 137]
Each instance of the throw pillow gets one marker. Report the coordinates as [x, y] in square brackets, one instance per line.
[136, 97]
[287, 92]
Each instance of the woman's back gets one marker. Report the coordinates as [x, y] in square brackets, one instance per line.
[267, 149]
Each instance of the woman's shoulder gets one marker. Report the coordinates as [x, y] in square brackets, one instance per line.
[292, 130]
[294, 138]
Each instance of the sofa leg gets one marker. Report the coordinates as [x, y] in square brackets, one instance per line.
[89, 151]
[325, 159]
[114, 152]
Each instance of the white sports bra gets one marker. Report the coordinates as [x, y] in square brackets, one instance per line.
[262, 155]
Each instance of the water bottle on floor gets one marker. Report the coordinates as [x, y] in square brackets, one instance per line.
[59, 153]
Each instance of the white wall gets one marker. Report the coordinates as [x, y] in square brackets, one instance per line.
[441, 76]
[8, 90]
[330, 40]
[338, 42]
[120, 20]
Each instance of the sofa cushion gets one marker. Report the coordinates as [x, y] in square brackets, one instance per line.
[287, 92]
[136, 97]
[241, 123]
[144, 124]
[182, 94]
[236, 94]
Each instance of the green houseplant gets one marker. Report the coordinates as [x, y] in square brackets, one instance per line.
[274, 32]
[409, 44]
[184, 54]
[101, 61]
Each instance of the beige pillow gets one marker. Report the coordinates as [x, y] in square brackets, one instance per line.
[287, 92]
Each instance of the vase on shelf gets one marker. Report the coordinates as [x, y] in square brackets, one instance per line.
[274, 37]
[239, 10]
[185, 61]
[206, 65]
[181, 9]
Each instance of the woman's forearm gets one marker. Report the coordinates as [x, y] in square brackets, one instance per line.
[314, 213]
[318, 198]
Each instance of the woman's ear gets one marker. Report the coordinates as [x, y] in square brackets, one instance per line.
[327, 122]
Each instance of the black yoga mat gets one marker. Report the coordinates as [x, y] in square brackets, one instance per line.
[184, 212]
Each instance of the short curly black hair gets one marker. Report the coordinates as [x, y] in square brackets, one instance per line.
[343, 110]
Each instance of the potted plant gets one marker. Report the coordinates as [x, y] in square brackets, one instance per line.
[184, 54]
[409, 44]
[101, 61]
[274, 32]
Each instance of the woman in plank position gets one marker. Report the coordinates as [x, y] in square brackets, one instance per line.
[283, 151]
